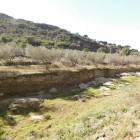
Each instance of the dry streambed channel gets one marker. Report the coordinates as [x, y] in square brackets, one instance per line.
[81, 112]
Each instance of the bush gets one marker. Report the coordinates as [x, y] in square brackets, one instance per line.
[102, 50]
[47, 116]
[11, 51]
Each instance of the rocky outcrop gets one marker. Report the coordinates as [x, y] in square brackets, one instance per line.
[22, 104]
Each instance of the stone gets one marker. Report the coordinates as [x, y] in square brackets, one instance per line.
[121, 85]
[104, 88]
[12, 116]
[118, 75]
[138, 73]
[83, 86]
[75, 97]
[94, 83]
[53, 90]
[128, 74]
[127, 83]
[125, 74]
[85, 96]
[89, 83]
[24, 104]
[82, 100]
[37, 117]
[102, 80]
[110, 83]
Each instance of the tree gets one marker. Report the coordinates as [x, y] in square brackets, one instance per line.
[125, 51]
[5, 39]
[86, 50]
[10, 52]
[31, 40]
[102, 50]
[47, 56]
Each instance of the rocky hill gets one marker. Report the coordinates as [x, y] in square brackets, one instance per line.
[24, 32]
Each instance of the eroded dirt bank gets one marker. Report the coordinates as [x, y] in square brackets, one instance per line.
[26, 84]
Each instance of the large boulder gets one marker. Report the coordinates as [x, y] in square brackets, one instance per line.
[25, 104]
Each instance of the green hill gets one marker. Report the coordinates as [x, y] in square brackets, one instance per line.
[24, 32]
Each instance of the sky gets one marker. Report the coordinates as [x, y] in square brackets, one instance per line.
[114, 21]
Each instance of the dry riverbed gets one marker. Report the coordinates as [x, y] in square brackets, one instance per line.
[109, 111]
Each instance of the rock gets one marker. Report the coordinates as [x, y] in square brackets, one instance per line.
[121, 85]
[138, 73]
[132, 73]
[104, 88]
[102, 80]
[53, 90]
[127, 83]
[75, 97]
[24, 104]
[85, 96]
[110, 83]
[83, 86]
[118, 75]
[94, 83]
[37, 117]
[128, 74]
[12, 116]
[89, 83]
[125, 74]
[82, 100]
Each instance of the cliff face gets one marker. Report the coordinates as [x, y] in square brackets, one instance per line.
[24, 32]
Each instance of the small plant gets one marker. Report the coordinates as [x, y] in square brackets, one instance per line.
[47, 116]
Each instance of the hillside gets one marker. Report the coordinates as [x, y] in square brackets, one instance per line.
[24, 32]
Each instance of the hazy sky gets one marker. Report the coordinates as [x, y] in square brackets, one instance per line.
[115, 21]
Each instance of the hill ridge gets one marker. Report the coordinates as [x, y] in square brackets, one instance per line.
[23, 32]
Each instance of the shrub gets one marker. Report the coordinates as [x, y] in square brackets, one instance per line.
[102, 50]
[10, 52]
[47, 116]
